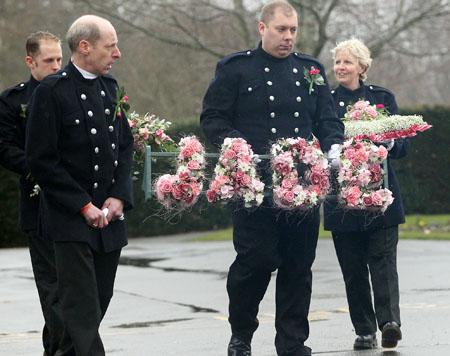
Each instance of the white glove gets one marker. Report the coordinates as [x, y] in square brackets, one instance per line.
[333, 155]
[388, 144]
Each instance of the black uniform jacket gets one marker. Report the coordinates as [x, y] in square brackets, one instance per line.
[350, 220]
[262, 98]
[78, 154]
[13, 104]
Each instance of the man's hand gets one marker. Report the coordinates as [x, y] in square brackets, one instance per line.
[94, 216]
[115, 209]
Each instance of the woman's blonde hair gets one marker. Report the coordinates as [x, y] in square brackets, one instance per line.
[357, 49]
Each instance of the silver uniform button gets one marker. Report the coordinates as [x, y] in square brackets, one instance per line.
[295, 70]
[102, 93]
[93, 131]
[332, 92]
[249, 89]
[249, 53]
[271, 98]
[298, 99]
[274, 130]
[113, 145]
[96, 168]
[22, 84]
[341, 103]
[296, 130]
[110, 128]
[269, 83]
[83, 96]
[297, 83]
[113, 181]
[96, 150]
[77, 121]
[371, 87]
[90, 113]
[116, 163]
[95, 185]
[272, 115]
[64, 74]
[267, 70]
[107, 111]
[296, 114]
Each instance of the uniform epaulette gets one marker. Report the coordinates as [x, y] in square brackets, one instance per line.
[15, 88]
[235, 55]
[307, 57]
[377, 88]
[52, 79]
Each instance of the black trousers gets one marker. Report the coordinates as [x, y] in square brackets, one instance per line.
[372, 251]
[267, 240]
[85, 288]
[43, 263]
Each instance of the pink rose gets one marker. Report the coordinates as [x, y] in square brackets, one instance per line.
[352, 195]
[382, 152]
[229, 154]
[367, 200]
[289, 196]
[314, 71]
[371, 111]
[186, 152]
[379, 106]
[246, 180]
[377, 199]
[193, 165]
[144, 133]
[287, 184]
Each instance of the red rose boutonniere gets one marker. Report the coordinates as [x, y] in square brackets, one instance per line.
[122, 105]
[313, 76]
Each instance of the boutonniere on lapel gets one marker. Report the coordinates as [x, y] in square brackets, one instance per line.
[23, 110]
[313, 76]
[121, 102]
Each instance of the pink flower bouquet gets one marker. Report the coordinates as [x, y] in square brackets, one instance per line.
[363, 120]
[183, 189]
[291, 191]
[361, 177]
[235, 175]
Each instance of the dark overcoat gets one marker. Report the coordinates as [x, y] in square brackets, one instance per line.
[350, 220]
[13, 108]
[262, 98]
[79, 153]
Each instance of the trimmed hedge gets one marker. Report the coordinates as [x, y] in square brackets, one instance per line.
[424, 174]
[424, 177]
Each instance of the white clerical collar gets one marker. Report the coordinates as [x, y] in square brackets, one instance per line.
[85, 73]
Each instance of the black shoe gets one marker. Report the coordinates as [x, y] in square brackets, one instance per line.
[365, 342]
[239, 347]
[390, 334]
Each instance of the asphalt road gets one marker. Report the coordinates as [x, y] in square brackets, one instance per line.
[170, 299]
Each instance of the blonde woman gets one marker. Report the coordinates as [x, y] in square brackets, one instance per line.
[366, 243]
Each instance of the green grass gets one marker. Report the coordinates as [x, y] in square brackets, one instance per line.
[418, 227]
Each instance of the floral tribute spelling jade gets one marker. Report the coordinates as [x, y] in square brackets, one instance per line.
[235, 176]
[361, 177]
[290, 190]
[182, 190]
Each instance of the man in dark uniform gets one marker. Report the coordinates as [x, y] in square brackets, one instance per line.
[81, 155]
[44, 57]
[261, 95]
